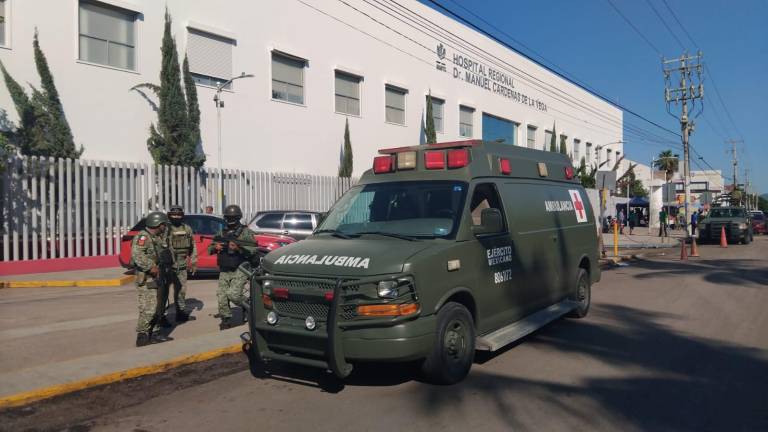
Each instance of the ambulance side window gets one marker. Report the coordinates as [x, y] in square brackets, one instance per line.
[485, 196]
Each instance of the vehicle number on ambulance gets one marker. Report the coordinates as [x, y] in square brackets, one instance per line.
[502, 276]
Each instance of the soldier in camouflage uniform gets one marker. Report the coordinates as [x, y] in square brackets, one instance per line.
[230, 256]
[182, 242]
[145, 254]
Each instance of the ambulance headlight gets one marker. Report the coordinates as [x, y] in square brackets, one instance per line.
[742, 226]
[391, 289]
[266, 285]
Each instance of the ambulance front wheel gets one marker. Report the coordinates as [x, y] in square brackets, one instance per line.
[582, 295]
[453, 349]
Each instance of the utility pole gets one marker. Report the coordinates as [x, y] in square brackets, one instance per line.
[686, 94]
[734, 161]
[746, 187]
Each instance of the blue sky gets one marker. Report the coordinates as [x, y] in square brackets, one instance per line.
[591, 42]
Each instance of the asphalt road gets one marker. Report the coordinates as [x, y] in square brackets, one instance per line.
[666, 346]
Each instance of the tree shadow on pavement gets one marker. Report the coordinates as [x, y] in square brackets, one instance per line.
[680, 383]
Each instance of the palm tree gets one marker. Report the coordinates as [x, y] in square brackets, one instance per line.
[667, 162]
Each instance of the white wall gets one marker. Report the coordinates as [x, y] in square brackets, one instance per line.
[263, 134]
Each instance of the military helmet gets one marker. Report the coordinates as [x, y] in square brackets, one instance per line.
[232, 214]
[176, 210]
[155, 219]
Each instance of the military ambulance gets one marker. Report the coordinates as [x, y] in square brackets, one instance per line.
[438, 251]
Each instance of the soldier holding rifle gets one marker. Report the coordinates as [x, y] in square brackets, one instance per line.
[153, 260]
[234, 245]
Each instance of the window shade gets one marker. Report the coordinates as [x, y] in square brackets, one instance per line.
[209, 54]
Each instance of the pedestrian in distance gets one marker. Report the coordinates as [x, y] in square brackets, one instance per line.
[694, 223]
[663, 222]
[230, 255]
[208, 209]
[151, 257]
[634, 218]
[622, 221]
[182, 241]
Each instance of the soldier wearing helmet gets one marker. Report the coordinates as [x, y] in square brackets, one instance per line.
[147, 249]
[230, 256]
[182, 241]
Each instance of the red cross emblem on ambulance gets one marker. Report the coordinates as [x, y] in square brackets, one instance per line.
[578, 205]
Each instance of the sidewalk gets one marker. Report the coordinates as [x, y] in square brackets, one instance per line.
[103, 277]
[58, 340]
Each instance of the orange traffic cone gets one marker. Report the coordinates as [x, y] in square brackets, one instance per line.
[694, 248]
[683, 251]
[723, 239]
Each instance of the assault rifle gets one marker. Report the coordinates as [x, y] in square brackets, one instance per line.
[163, 281]
[260, 251]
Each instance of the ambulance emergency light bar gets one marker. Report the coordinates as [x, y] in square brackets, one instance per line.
[405, 158]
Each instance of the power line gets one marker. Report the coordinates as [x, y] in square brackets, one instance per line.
[658, 15]
[671, 12]
[650, 44]
[493, 37]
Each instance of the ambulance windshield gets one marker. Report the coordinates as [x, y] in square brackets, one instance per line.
[422, 209]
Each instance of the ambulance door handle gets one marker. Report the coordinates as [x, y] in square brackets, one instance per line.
[554, 237]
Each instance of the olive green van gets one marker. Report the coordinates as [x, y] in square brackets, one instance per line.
[438, 251]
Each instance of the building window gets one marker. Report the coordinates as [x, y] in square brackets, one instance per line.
[531, 138]
[547, 139]
[466, 120]
[107, 36]
[563, 143]
[497, 129]
[394, 105]
[347, 93]
[288, 78]
[589, 153]
[210, 58]
[437, 113]
[3, 26]
[576, 151]
[608, 158]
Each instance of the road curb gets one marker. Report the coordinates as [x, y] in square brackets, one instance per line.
[85, 283]
[61, 389]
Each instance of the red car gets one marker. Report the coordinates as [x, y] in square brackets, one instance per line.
[205, 227]
[759, 222]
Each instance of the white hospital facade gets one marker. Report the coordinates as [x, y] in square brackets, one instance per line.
[315, 64]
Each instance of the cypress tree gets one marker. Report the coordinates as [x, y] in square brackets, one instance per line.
[430, 133]
[59, 140]
[345, 169]
[193, 114]
[553, 139]
[168, 140]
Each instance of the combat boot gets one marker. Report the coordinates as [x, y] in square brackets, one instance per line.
[142, 339]
[159, 338]
[226, 323]
[181, 316]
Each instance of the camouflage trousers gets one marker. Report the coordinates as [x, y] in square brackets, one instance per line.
[179, 283]
[146, 293]
[231, 289]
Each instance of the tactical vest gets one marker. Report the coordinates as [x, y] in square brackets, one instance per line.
[180, 240]
[229, 260]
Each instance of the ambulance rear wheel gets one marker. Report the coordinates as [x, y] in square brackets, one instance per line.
[453, 349]
[582, 295]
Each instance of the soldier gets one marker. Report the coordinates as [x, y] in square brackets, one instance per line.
[182, 241]
[230, 256]
[149, 253]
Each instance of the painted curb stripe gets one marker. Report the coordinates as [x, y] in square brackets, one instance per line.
[60, 389]
[87, 283]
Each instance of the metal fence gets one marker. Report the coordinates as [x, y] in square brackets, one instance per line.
[62, 208]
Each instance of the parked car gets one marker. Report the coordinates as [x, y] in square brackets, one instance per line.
[205, 227]
[759, 222]
[296, 224]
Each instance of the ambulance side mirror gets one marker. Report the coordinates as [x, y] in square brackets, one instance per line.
[490, 222]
